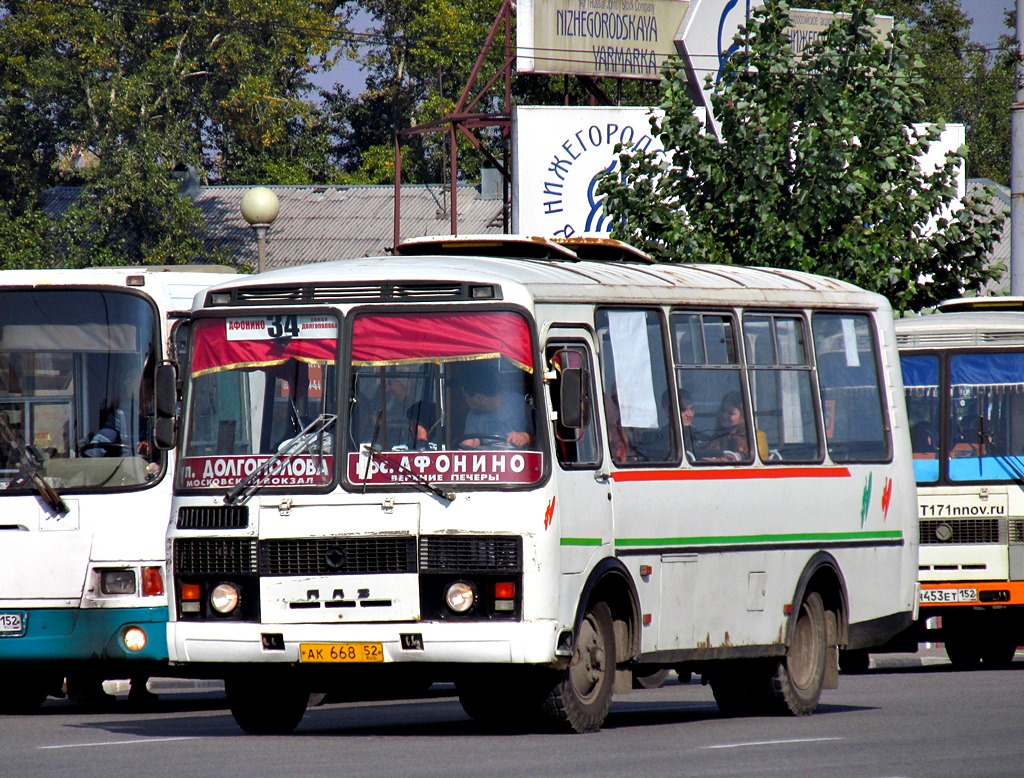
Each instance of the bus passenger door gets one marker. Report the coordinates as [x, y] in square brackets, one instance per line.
[581, 503]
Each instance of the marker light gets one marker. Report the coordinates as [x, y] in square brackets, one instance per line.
[190, 594]
[504, 596]
[117, 581]
[152, 582]
[134, 638]
[460, 597]
[224, 598]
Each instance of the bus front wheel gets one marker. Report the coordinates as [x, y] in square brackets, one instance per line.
[582, 694]
[260, 707]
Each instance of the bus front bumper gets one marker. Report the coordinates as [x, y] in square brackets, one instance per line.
[74, 634]
[531, 642]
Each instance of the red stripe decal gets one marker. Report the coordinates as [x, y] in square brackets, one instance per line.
[623, 476]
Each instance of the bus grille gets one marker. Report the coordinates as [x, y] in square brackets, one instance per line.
[958, 531]
[1016, 530]
[214, 517]
[214, 555]
[478, 553]
[338, 556]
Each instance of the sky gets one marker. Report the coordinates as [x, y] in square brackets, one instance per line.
[988, 18]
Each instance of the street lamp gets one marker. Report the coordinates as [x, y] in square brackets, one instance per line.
[260, 207]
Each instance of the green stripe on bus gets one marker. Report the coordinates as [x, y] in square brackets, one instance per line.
[581, 541]
[745, 539]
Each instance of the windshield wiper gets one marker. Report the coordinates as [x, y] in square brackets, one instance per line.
[418, 481]
[249, 485]
[31, 462]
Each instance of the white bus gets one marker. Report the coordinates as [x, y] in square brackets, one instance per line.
[963, 370]
[84, 488]
[441, 466]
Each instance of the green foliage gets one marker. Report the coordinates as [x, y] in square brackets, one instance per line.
[816, 171]
[114, 95]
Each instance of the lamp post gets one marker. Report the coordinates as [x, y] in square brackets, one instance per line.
[260, 207]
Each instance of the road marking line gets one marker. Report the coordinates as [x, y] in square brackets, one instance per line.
[116, 743]
[773, 742]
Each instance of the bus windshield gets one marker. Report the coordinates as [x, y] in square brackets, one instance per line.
[436, 383]
[983, 439]
[263, 402]
[76, 390]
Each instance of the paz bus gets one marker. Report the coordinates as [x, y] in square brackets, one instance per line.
[85, 487]
[499, 463]
[963, 369]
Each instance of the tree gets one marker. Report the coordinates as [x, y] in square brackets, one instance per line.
[817, 169]
[114, 96]
[961, 81]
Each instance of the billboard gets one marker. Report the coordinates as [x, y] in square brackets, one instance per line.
[705, 39]
[558, 152]
[619, 38]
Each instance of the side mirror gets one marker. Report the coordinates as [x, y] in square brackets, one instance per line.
[573, 399]
[165, 401]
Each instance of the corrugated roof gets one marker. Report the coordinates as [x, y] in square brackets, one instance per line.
[321, 223]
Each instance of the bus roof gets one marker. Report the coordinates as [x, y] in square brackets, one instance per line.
[962, 328]
[525, 247]
[448, 278]
[982, 304]
[175, 286]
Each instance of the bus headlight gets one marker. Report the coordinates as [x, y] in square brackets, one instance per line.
[134, 638]
[460, 597]
[225, 597]
[117, 581]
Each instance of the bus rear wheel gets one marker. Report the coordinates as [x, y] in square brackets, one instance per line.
[582, 694]
[261, 706]
[799, 677]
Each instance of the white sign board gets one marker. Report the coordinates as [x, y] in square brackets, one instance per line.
[619, 38]
[558, 153]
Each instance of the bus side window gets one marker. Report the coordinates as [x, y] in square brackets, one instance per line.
[635, 379]
[850, 386]
[575, 433]
[781, 386]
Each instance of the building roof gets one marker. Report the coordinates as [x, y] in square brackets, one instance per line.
[326, 222]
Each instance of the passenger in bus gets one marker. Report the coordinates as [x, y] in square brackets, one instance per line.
[686, 414]
[416, 419]
[496, 415]
[922, 441]
[730, 438]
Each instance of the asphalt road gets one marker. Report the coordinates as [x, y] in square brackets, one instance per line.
[907, 716]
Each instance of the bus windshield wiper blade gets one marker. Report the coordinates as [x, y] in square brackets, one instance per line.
[31, 462]
[249, 485]
[418, 481]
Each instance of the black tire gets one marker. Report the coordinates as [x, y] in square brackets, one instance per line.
[507, 696]
[582, 694]
[799, 677]
[264, 706]
[997, 653]
[742, 688]
[963, 653]
[646, 679]
[23, 693]
[855, 661]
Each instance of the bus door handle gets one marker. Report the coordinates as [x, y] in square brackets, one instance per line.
[602, 478]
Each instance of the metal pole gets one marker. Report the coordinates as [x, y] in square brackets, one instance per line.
[1017, 165]
[261, 246]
